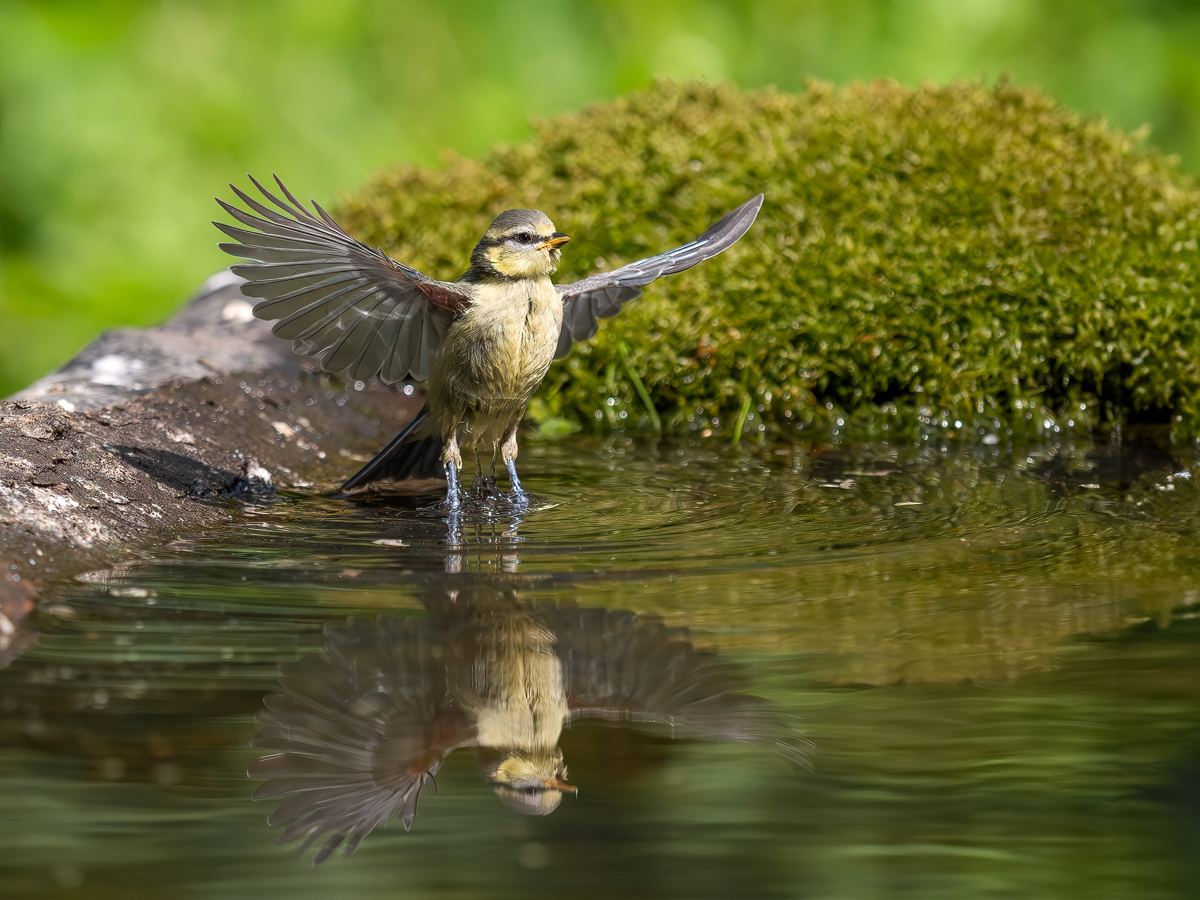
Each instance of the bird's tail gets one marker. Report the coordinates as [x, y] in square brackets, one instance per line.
[411, 454]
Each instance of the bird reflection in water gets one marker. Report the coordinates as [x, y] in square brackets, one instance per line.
[363, 726]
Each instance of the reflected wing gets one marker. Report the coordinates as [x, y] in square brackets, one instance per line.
[621, 667]
[602, 295]
[360, 729]
[361, 312]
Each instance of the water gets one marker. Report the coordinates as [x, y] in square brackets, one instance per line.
[977, 674]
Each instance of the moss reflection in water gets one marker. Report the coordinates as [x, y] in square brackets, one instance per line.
[951, 631]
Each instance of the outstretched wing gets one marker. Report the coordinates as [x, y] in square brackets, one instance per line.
[359, 730]
[602, 295]
[622, 667]
[361, 312]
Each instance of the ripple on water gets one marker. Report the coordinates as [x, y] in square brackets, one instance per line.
[975, 643]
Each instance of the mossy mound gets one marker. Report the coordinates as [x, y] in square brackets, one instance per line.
[963, 257]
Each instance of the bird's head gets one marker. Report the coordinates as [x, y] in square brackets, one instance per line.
[530, 781]
[521, 243]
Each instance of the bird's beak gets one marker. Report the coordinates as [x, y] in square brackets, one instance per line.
[558, 784]
[553, 242]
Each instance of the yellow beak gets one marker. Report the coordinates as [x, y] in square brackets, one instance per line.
[557, 784]
[553, 242]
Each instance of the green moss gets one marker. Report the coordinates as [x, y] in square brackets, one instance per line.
[925, 257]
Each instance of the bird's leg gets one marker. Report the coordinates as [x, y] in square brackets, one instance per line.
[512, 477]
[508, 451]
[452, 495]
[452, 459]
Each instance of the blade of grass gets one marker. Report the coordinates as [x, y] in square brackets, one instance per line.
[740, 422]
[639, 387]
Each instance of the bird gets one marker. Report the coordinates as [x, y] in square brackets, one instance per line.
[483, 343]
[359, 729]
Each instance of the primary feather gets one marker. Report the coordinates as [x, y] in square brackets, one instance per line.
[361, 312]
[602, 295]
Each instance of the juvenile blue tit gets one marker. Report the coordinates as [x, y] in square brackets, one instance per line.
[482, 343]
[359, 730]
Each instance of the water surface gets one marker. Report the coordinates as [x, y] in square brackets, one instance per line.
[982, 665]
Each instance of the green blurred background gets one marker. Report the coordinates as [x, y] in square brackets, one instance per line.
[119, 121]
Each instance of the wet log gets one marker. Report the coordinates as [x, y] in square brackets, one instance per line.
[150, 433]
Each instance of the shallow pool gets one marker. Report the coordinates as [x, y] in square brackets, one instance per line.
[937, 672]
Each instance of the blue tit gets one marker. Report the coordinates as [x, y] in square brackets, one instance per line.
[482, 343]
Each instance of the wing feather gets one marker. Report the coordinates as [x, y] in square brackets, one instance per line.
[357, 732]
[607, 302]
[310, 291]
[264, 239]
[285, 277]
[334, 296]
[362, 325]
[622, 667]
[432, 331]
[583, 321]
[327, 335]
[408, 341]
[602, 295]
[300, 325]
[376, 348]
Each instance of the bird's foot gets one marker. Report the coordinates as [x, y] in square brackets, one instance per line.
[484, 492]
[517, 495]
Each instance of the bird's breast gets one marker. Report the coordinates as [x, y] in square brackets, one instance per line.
[517, 693]
[502, 346]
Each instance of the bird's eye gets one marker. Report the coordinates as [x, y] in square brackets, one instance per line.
[525, 237]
